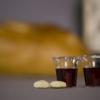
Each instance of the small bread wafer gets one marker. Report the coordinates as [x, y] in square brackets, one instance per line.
[41, 84]
[58, 84]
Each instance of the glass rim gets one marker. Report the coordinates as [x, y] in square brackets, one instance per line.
[95, 56]
[62, 57]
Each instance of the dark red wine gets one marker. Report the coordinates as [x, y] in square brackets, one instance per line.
[67, 75]
[92, 76]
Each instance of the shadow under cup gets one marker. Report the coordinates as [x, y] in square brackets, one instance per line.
[66, 70]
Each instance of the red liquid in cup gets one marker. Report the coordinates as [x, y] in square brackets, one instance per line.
[92, 76]
[67, 75]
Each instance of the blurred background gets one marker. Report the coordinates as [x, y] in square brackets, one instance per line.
[66, 13]
[34, 31]
[54, 27]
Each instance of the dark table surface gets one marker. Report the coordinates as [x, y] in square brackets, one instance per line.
[20, 88]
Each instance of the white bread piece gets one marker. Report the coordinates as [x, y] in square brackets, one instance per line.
[41, 84]
[58, 84]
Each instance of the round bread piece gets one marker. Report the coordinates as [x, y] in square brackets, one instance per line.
[58, 84]
[41, 84]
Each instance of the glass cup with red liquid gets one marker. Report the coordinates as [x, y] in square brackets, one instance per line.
[91, 70]
[66, 70]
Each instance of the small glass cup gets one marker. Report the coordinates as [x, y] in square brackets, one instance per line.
[91, 70]
[66, 70]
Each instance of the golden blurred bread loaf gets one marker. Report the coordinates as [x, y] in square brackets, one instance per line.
[27, 49]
